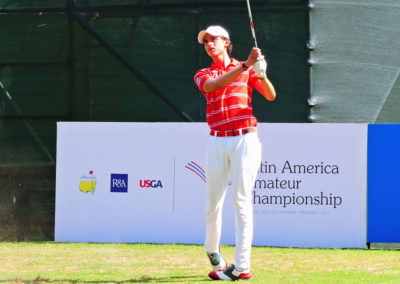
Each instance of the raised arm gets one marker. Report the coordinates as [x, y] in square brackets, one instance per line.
[214, 84]
[263, 85]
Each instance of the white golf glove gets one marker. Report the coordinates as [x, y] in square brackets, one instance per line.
[260, 67]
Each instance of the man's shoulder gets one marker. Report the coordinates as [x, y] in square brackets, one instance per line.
[203, 71]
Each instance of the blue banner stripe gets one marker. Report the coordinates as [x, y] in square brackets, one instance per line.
[383, 183]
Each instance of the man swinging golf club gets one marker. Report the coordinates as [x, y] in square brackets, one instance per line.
[234, 148]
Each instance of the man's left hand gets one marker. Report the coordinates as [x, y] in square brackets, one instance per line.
[260, 67]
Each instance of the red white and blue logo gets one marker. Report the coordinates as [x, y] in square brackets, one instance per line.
[147, 183]
[119, 183]
[197, 170]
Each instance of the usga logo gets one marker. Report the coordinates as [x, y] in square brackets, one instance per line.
[119, 183]
[146, 183]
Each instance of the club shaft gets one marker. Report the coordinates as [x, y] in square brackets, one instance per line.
[253, 32]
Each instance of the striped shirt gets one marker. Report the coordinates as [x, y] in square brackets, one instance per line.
[229, 108]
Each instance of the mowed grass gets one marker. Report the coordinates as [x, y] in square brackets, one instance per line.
[51, 262]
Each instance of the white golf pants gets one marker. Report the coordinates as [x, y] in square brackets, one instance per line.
[240, 158]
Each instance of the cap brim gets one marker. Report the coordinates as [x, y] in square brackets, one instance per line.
[201, 36]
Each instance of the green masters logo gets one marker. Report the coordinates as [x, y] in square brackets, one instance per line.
[88, 183]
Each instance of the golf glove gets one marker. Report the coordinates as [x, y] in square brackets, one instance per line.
[260, 67]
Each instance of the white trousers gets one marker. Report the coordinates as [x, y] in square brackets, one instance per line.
[240, 158]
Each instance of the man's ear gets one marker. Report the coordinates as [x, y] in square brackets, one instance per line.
[227, 42]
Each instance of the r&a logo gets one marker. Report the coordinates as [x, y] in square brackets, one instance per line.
[119, 183]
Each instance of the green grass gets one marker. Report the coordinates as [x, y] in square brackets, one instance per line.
[149, 263]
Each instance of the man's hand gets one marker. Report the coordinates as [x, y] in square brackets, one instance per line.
[257, 60]
[255, 53]
[260, 67]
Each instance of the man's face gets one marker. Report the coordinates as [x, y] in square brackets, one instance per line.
[214, 45]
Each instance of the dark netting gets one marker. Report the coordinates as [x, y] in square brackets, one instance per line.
[93, 60]
[34, 95]
[27, 4]
[158, 43]
[355, 61]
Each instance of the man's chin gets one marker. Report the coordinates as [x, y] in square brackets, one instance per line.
[213, 53]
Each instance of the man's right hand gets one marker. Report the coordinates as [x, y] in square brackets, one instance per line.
[255, 53]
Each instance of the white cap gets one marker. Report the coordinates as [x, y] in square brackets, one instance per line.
[214, 31]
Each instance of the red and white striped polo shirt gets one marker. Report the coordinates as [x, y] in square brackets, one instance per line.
[229, 108]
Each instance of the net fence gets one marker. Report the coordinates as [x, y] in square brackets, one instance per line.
[355, 61]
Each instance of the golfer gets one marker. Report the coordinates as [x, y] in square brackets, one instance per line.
[233, 147]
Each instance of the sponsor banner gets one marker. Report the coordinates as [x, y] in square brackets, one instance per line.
[383, 183]
[146, 182]
[311, 186]
[128, 182]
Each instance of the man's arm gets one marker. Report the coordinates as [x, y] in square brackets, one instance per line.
[214, 84]
[265, 88]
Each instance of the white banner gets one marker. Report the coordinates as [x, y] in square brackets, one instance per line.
[145, 182]
[311, 186]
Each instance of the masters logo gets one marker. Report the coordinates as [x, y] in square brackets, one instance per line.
[87, 183]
